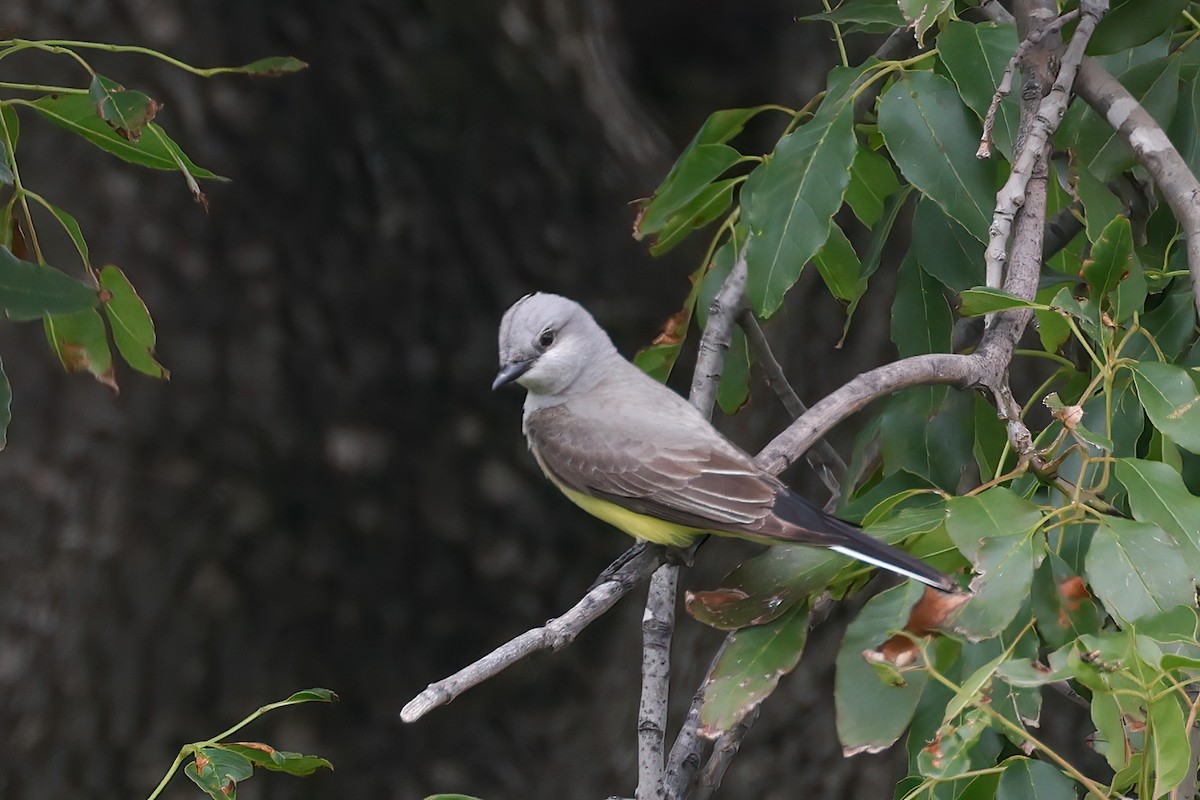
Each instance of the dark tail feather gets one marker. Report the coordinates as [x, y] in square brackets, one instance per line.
[821, 529]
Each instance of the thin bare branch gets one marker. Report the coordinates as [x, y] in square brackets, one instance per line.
[1153, 150]
[724, 749]
[714, 343]
[824, 460]
[658, 626]
[555, 634]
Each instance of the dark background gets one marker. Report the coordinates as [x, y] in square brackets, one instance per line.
[327, 493]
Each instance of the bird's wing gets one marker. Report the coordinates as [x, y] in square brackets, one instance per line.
[700, 481]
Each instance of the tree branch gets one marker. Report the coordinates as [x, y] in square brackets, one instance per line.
[1153, 150]
[658, 626]
[554, 635]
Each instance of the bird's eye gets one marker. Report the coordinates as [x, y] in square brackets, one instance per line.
[547, 338]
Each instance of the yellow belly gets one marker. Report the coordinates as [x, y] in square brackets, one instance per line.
[636, 525]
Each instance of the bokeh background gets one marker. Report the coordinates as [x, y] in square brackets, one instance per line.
[326, 493]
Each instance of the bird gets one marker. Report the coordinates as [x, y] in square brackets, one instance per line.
[630, 451]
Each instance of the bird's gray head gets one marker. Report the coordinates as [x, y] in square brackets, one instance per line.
[547, 342]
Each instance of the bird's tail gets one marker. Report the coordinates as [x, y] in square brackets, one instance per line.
[842, 537]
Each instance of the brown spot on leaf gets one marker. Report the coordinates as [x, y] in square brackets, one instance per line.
[202, 763]
[674, 329]
[933, 611]
[642, 204]
[1074, 591]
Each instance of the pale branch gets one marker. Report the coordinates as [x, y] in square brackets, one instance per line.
[724, 749]
[920, 370]
[1037, 132]
[1006, 79]
[658, 625]
[684, 760]
[1153, 150]
[554, 635]
[824, 460]
[714, 343]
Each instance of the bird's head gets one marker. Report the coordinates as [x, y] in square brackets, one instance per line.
[547, 342]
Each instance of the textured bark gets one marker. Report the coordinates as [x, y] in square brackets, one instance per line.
[327, 493]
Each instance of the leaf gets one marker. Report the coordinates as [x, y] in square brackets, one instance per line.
[789, 201]
[698, 167]
[985, 300]
[312, 696]
[1027, 779]
[1169, 734]
[929, 432]
[126, 112]
[1168, 393]
[73, 230]
[872, 182]
[133, 330]
[749, 668]
[81, 343]
[77, 114]
[1137, 569]
[871, 715]
[1100, 205]
[864, 12]
[922, 15]
[839, 267]
[29, 291]
[217, 772]
[1132, 22]
[1158, 495]
[5, 407]
[944, 248]
[1061, 603]
[6, 173]
[1111, 260]
[933, 139]
[267, 757]
[949, 753]
[734, 389]
[921, 319]
[712, 201]
[976, 56]
[273, 66]
[995, 530]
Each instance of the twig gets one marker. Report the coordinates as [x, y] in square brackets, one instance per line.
[658, 625]
[1049, 114]
[1153, 150]
[829, 466]
[684, 761]
[725, 748]
[710, 353]
[555, 634]
[1031, 41]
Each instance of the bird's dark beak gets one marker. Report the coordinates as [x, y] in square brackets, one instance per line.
[510, 372]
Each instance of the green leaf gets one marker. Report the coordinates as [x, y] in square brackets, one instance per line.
[1052, 327]
[734, 389]
[77, 114]
[217, 771]
[126, 112]
[1137, 569]
[267, 757]
[73, 230]
[1111, 260]
[933, 139]
[839, 267]
[749, 668]
[921, 318]
[1061, 604]
[944, 248]
[984, 300]
[29, 291]
[6, 173]
[1027, 779]
[81, 344]
[1091, 139]
[273, 66]
[871, 715]
[1132, 22]
[312, 696]
[133, 330]
[976, 56]
[1100, 205]
[1158, 495]
[922, 15]
[864, 12]
[949, 754]
[698, 167]
[712, 201]
[929, 432]
[5, 407]
[872, 182]
[1173, 321]
[789, 201]
[996, 531]
[1169, 735]
[1169, 396]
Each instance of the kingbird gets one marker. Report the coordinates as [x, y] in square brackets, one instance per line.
[627, 449]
